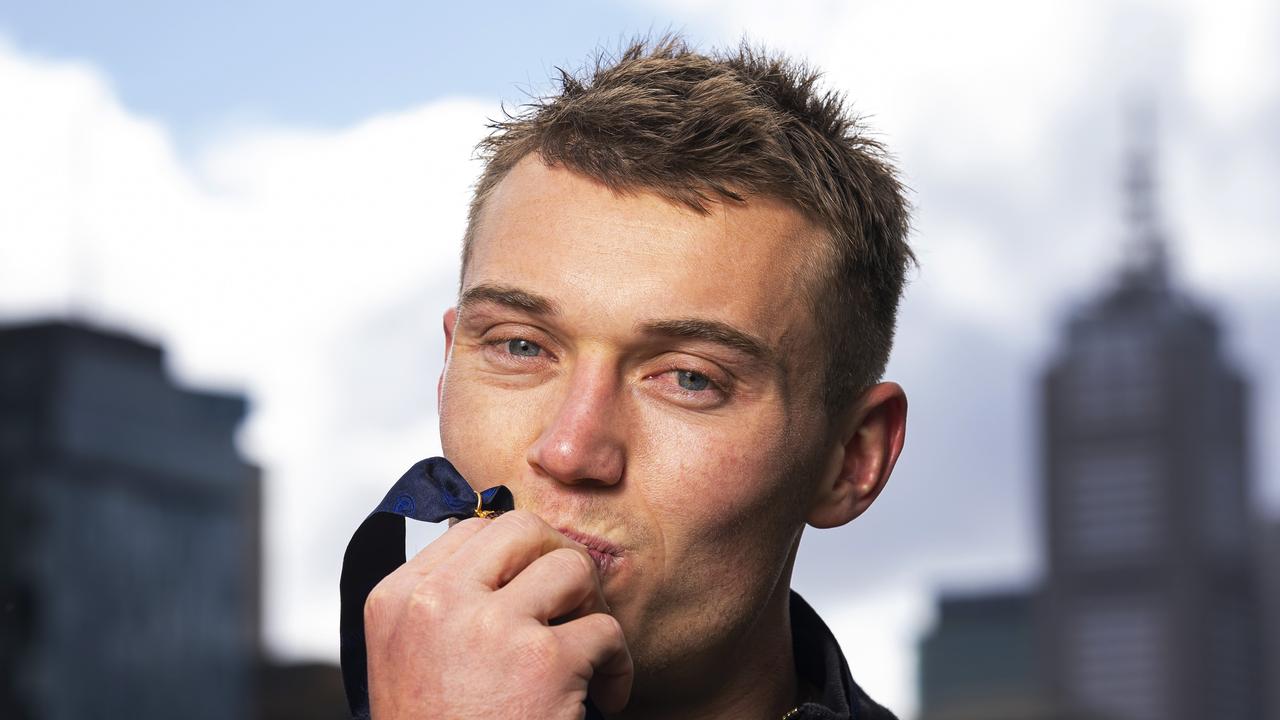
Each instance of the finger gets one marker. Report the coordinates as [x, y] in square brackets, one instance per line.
[443, 547]
[561, 584]
[602, 645]
[505, 547]
[399, 581]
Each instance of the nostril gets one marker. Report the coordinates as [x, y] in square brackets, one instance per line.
[582, 442]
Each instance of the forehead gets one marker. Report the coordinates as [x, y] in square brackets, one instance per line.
[637, 256]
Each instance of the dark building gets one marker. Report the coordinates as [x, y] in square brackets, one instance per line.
[129, 535]
[1153, 610]
[1269, 574]
[980, 660]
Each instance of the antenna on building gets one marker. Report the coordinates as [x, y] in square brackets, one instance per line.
[1146, 255]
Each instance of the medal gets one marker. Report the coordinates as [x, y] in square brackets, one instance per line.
[431, 491]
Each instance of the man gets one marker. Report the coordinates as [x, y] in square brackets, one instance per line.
[678, 294]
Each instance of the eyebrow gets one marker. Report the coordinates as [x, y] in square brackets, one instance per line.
[510, 297]
[710, 331]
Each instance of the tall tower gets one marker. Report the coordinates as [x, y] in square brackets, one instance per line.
[1151, 608]
[128, 535]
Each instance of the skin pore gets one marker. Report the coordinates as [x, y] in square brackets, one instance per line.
[645, 378]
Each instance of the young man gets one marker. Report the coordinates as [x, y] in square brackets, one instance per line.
[678, 295]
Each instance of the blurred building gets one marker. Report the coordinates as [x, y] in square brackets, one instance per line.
[980, 660]
[1162, 596]
[1269, 572]
[1153, 607]
[129, 535]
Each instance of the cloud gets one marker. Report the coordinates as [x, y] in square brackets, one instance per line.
[1008, 118]
[309, 267]
[878, 631]
[306, 268]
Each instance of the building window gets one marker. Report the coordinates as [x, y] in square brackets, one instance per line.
[1117, 659]
[1114, 506]
[1112, 377]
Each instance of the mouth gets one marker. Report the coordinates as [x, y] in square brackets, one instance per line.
[604, 554]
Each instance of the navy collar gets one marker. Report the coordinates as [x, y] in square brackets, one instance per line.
[820, 664]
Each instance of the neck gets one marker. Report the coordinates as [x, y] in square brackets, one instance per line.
[752, 677]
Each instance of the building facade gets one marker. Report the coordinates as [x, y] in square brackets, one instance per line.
[1153, 609]
[980, 661]
[129, 535]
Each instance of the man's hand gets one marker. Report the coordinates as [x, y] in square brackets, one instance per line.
[463, 630]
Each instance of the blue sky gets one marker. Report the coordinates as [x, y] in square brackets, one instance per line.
[327, 64]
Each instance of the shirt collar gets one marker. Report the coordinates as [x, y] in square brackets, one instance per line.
[821, 665]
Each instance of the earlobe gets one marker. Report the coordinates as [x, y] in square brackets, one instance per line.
[868, 444]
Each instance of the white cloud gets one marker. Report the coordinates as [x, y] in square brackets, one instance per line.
[878, 632]
[1008, 117]
[1233, 59]
[259, 268]
[1023, 103]
[309, 267]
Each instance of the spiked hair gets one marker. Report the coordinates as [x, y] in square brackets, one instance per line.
[700, 129]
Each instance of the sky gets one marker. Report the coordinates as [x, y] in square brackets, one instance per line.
[277, 191]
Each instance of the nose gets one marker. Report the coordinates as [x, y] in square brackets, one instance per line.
[583, 439]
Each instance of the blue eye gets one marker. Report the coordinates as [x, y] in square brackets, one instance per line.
[690, 380]
[523, 348]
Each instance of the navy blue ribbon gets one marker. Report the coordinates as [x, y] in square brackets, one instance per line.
[431, 491]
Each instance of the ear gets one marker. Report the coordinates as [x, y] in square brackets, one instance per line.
[868, 439]
[450, 320]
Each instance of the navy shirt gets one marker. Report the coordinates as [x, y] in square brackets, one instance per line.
[819, 665]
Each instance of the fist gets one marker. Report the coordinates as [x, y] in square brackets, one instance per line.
[496, 618]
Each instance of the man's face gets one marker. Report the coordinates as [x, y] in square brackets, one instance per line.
[644, 377]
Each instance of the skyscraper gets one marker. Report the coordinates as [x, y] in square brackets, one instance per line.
[128, 535]
[979, 662]
[1152, 607]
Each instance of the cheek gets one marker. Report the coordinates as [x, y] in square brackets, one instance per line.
[483, 432]
[710, 461]
[723, 489]
[726, 502]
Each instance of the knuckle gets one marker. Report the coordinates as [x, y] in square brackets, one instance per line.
[537, 649]
[378, 603]
[429, 600]
[492, 620]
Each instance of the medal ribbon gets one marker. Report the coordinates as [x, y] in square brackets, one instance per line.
[431, 491]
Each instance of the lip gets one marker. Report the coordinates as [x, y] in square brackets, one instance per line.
[604, 554]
